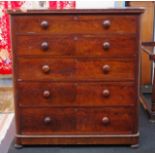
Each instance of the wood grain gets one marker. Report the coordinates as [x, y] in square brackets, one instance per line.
[75, 94]
[84, 69]
[77, 45]
[76, 76]
[77, 121]
[74, 24]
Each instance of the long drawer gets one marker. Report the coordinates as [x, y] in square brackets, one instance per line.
[84, 69]
[47, 121]
[77, 45]
[36, 94]
[75, 24]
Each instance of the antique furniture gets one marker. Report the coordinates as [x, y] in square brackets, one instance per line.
[149, 105]
[76, 76]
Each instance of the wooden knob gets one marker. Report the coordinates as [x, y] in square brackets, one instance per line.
[46, 93]
[106, 45]
[44, 46]
[106, 24]
[47, 119]
[106, 93]
[105, 120]
[45, 68]
[106, 69]
[44, 24]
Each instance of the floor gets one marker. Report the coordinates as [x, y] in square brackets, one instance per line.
[6, 100]
[6, 96]
[7, 132]
[147, 143]
[6, 113]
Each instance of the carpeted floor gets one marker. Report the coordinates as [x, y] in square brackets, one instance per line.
[6, 96]
[6, 100]
[147, 143]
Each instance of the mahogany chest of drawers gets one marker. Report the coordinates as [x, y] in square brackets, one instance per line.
[76, 76]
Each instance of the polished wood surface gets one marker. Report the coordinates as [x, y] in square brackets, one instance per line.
[116, 11]
[76, 76]
[106, 46]
[76, 94]
[82, 69]
[77, 121]
[74, 24]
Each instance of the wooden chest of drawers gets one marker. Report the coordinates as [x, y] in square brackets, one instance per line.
[76, 76]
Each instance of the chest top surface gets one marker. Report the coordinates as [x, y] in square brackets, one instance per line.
[126, 10]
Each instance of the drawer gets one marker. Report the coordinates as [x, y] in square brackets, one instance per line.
[77, 45]
[77, 121]
[37, 94]
[67, 69]
[67, 24]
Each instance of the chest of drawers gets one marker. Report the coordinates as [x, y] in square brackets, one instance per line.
[76, 76]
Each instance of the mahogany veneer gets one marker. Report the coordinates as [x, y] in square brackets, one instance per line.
[76, 76]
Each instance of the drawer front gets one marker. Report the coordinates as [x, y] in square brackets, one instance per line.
[75, 24]
[61, 94]
[77, 45]
[75, 69]
[77, 121]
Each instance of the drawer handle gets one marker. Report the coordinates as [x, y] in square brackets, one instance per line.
[46, 93]
[44, 24]
[106, 24]
[106, 69]
[106, 45]
[106, 93]
[44, 46]
[46, 68]
[105, 120]
[47, 119]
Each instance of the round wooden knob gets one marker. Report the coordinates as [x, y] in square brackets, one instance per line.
[106, 45]
[46, 93]
[105, 120]
[106, 24]
[106, 93]
[47, 119]
[44, 24]
[45, 68]
[106, 69]
[44, 46]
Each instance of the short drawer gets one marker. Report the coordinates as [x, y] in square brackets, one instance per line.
[67, 24]
[75, 69]
[77, 45]
[45, 121]
[46, 94]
